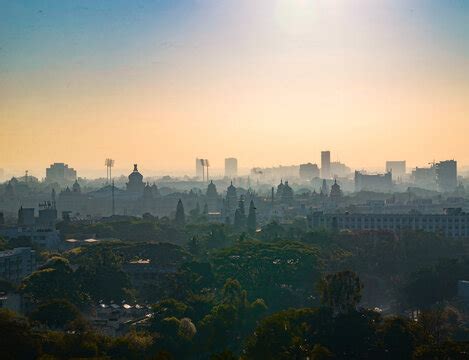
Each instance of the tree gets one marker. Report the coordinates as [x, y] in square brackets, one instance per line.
[55, 280]
[282, 273]
[16, 338]
[341, 291]
[397, 337]
[180, 218]
[102, 277]
[230, 321]
[251, 221]
[56, 314]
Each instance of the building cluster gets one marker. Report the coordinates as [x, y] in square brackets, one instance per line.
[41, 229]
[17, 263]
[453, 223]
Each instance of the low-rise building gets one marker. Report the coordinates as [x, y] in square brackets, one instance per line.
[16, 264]
[454, 223]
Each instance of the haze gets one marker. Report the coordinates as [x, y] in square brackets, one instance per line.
[268, 81]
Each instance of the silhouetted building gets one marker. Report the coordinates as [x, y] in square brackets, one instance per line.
[16, 264]
[212, 197]
[231, 168]
[447, 175]
[60, 173]
[135, 185]
[339, 170]
[284, 192]
[425, 177]
[398, 168]
[199, 169]
[308, 171]
[451, 224]
[325, 164]
[378, 183]
[336, 193]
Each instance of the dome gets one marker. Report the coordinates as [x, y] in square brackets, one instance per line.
[211, 189]
[231, 189]
[76, 186]
[135, 176]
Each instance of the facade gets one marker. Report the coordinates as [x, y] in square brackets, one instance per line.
[308, 171]
[60, 173]
[425, 177]
[446, 175]
[199, 169]
[397, 168]
[231, 168]
[325, 164]
[453, 223]
[16, 264]
[41, 230]
[379, 182]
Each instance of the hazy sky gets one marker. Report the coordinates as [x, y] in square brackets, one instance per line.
[268, 81]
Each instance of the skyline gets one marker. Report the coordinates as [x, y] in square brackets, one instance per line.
[275, 82]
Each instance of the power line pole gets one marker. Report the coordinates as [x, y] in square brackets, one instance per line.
[113, 201]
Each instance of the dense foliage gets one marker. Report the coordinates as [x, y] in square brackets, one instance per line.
[233, 291]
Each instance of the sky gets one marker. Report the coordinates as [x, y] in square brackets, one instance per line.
[270, 82]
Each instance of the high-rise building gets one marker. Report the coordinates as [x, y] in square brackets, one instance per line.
[231, 167]
[199, 169]
[60, 173]
[398, 168]
[325, 164]
[447, 175]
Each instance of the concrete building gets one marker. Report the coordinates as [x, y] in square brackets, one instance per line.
[325, 164]
[446, 175]
[41, 230]
[16, 264]
[454, 223]
[425, 177]
[339, 169]
[397, 168]
[60, 173]
[199, 169]
[231, 168]
[378, 183]
[308, 171]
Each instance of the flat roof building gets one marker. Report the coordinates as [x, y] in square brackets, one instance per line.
[16, 264]
[325, 164]
[231, 167]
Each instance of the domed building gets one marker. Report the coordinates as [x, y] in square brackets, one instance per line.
[280, 188]
[76, 187]
[212, 197]
[336, 193]
[135, 186]
[231, 202]
[287, 195]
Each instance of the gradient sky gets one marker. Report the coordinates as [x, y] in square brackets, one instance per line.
[268, 81]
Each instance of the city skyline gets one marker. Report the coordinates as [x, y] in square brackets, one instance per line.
[272, 82]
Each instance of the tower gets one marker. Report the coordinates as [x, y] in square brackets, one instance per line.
[325, 164]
